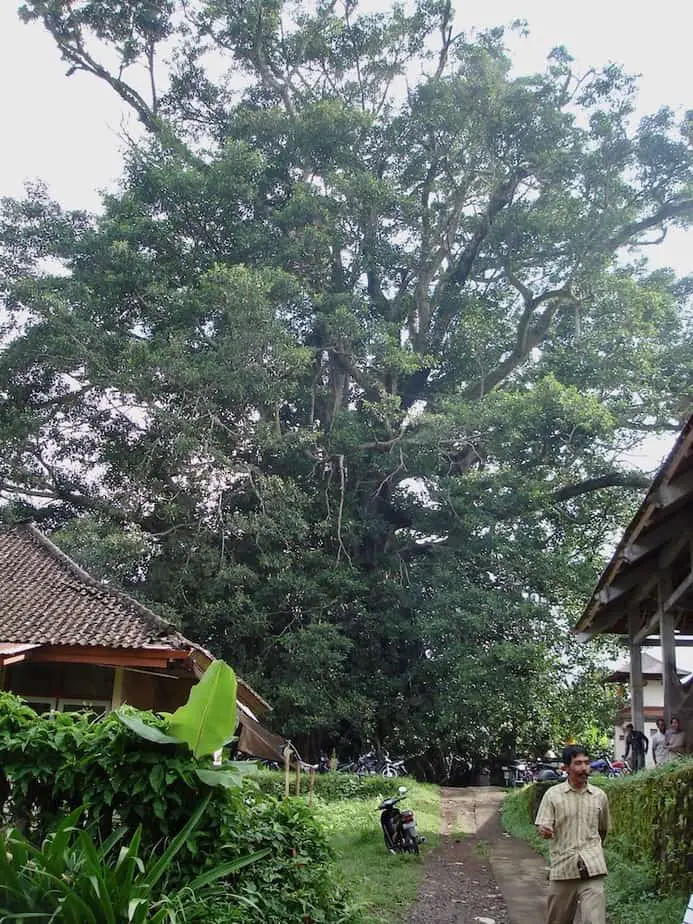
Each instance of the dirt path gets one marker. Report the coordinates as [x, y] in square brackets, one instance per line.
[479, 874]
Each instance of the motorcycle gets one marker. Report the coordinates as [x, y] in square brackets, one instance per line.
[399, 827]
[610, 768]
[545, 771]
[521, 773]
[392, 768]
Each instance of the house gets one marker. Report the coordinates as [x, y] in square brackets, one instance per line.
[645, 594]
[653, 700]
[69, 642]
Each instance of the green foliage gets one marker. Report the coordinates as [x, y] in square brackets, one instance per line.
[208, 720]
[648, 849]
[333, 786]
[72, 880]
[653, 812]
[337, 378]
[60, 761]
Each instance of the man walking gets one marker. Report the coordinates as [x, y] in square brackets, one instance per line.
[636, 747]
[574, 816]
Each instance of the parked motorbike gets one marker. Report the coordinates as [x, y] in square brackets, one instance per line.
[399, 827]
[392, 768]
[371, 764]
[545, 771]
[610, 768]
[521, 773]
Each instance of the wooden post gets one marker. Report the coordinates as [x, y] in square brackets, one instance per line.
[311, 786]
[637, 711]
[298, 777]
[670, 680]
[287, 770]
[117, 697]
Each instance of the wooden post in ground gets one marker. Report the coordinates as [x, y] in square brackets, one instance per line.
[637, 712]
[670, 679]
[298, 777]
[287, 770]
[311, 786]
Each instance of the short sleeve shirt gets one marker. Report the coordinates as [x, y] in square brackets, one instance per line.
[580, 819]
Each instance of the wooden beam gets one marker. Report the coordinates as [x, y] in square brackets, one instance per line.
[657, 536]
[108, 657]
[675, 490]
[659, 571]
[650, 626]
[117, 697]
[654, 641]
[679, 591]
[628, 578]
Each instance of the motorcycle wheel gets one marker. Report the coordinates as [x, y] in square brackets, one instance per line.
[411, 845]
[390, 773]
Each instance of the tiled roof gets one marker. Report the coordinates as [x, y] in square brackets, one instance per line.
[47, 599]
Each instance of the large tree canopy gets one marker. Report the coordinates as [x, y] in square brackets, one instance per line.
[341, 376]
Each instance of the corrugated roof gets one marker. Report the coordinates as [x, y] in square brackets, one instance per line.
[47, 599]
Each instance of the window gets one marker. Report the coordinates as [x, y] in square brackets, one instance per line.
[99, 706]
[39, 705]
[42, 704]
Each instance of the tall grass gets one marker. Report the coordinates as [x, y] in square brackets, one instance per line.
[384, 885]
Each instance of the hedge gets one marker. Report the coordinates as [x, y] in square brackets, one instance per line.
[652, 817]
[333, 786]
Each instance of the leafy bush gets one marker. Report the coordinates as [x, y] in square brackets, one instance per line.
[71, 880]
[332, 787]
[55, 763]
[653, 812]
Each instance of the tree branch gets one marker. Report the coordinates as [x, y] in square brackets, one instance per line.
[670, 210]
[609, 480]
[528, 335]
[500, 199]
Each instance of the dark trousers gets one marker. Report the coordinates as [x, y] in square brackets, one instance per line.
[637, 761]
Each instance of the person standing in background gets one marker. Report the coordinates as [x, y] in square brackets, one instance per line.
[676, 740]
[659, 739]
[636, 746]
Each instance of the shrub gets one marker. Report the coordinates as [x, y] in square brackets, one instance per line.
[72, 880]
[653, 813]
[332, 787]
[55, 763]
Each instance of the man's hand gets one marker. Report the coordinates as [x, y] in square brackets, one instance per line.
[545, 831]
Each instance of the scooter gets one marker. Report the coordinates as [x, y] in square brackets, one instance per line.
[399, 827]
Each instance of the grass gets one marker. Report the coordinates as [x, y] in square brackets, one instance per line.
[631, 896]
[384, 886]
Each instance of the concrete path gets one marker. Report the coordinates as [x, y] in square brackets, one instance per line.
[480, 875]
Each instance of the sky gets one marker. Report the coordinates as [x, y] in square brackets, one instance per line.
[68, 131]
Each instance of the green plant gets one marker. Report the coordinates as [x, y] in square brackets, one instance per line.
[205, 723]
[124, 779]
[70, 879]
[333, 786]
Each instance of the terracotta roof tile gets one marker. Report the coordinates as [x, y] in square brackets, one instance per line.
[47, 599]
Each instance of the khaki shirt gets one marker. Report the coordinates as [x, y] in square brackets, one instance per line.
[580, 821]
